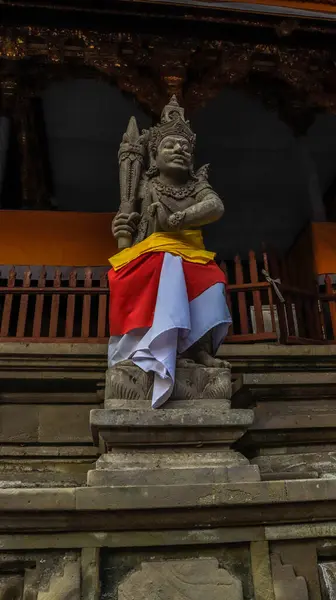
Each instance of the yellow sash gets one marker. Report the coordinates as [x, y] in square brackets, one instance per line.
[187, 243]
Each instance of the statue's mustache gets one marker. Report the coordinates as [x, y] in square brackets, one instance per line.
[180, 155]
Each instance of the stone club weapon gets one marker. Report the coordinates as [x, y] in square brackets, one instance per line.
[131, 157]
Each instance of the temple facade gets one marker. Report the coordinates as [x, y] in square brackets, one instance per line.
[230, 492]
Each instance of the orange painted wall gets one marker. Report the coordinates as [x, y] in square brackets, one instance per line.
[324, 246]
[315, 251]
[55, 238]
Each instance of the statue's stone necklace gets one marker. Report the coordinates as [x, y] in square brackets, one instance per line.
[174, 192]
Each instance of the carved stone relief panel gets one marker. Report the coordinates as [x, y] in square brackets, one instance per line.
[295, 568]
[40, 576]
[201, 573]
[327, 572]
[287, 585]
[193, 578]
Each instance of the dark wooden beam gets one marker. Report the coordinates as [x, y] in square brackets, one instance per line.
[329, 200]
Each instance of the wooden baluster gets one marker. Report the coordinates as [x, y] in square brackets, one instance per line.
[313, 321]
[223, 267]
[319, 320]
[291, 301]
[323, 327]
[86, 304]
[70, 310]
[244, 325]
[271, 261]
[331, 303]
[102, 307]
[7, 309]
[271, 300]
[301, 317]
[55, 301]
[22, 318]
[318, 310]
[37, 323]
[258, 313]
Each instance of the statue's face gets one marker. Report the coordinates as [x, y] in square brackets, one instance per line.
[174, 155]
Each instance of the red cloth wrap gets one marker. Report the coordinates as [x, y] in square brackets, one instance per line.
[134, 287]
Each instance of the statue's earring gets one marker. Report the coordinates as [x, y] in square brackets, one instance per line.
[152, 170]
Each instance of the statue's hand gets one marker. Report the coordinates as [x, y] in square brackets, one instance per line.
[176, 220]
[124, 224]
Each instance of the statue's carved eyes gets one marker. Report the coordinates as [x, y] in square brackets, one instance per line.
[171, 146]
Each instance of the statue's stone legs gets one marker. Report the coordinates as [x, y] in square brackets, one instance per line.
[189, 441]
[202, 353]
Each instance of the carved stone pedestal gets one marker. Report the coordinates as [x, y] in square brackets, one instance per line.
[189, 441]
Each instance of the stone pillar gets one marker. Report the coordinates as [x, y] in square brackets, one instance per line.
[17, 106]
[7, 89]
[187, 442]
[33, 177]
[4, 138]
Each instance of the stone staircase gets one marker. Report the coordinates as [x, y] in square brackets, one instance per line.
[54, 387]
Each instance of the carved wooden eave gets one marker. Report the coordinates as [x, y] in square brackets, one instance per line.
[303, 8]
[323, 9]
[296, 79]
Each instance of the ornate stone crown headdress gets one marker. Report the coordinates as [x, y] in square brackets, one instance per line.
[172, 123]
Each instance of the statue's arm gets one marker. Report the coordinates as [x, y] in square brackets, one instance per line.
[208, 210]
[126, 224]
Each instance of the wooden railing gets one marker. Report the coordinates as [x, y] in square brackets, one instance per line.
[308, 313]
[327, 303]
[73, 307]
[250, 300]
[300, 317]
[57, 310]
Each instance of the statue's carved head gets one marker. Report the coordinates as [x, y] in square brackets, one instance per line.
[174, 155]
[171, 143]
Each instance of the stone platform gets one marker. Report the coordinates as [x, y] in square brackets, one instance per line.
[188, 441]
[276, 538]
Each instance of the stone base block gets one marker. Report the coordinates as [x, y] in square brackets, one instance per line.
[165, 466]
[187, 442]
[193, 425]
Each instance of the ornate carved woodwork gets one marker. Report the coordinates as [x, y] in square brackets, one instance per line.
[295, 80]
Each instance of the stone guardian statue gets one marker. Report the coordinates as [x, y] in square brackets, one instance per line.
[167, 299]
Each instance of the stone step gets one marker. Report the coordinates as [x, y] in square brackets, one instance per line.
[145, 404]
[171, 458]
[172, 476]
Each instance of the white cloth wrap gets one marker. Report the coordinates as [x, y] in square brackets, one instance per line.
[177, 325]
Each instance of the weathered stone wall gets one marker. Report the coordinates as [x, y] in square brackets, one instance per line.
[127, 566]
[269, 539]
[46, 394]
